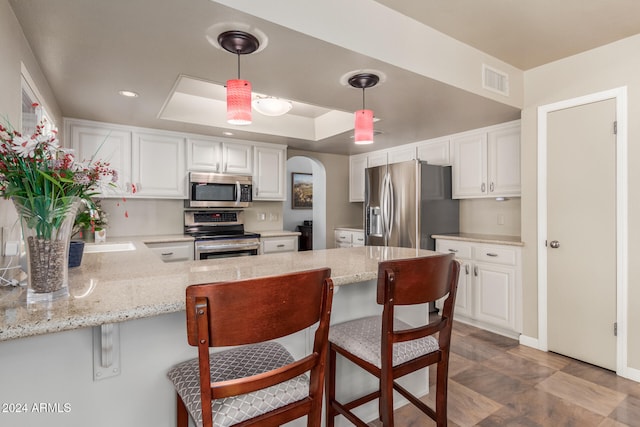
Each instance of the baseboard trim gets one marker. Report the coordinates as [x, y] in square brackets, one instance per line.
[530, 341]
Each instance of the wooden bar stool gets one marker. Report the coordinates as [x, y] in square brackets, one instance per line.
[389, 348]
[258, 382]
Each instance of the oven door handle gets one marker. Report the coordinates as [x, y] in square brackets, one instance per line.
[223, 247]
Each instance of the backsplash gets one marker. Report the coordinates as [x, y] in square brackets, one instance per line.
[144, 217]
[489, 216]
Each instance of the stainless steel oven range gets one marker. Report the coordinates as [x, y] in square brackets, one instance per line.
[219, 234]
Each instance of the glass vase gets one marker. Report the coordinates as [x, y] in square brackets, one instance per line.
[47, 225]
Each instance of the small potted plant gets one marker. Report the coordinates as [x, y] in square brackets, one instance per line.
[90, 218]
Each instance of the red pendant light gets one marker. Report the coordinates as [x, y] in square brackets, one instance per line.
[363, 133]
[239, 102]
[238, 91]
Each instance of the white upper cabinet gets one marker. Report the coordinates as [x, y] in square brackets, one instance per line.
[204, 155]
[377, 158]
[357, 166]
[503, 147]
[470, 165]
[435, 152]
[107, 144]
[212, 155]
[237, 158]
[269, 173]
[401, 154]
[159, 165]
[149, 164]
[486, 163]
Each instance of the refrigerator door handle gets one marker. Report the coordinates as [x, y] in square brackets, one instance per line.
[390, 195]
[383, 205]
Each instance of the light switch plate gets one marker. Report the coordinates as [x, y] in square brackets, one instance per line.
[11, 248]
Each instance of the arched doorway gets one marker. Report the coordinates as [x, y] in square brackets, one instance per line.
[291, 218]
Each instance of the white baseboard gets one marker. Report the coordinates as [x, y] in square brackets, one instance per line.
[632, 374]
[529, 341]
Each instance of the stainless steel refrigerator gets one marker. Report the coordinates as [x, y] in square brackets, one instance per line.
[407, 202]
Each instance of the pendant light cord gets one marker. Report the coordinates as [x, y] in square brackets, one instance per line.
[363, 98]
[238, 53]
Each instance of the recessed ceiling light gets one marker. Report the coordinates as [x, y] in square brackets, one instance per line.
[128, 93]
[227, 133]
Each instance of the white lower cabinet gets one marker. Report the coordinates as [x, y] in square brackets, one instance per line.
[490, 285]
[172, 251]
[271, 245]
[348, 238]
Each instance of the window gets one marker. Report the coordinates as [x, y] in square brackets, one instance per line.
[33, 112]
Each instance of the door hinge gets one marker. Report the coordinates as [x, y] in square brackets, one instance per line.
[615, 329]
[615, 127]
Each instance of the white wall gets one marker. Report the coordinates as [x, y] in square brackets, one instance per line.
[483, 216]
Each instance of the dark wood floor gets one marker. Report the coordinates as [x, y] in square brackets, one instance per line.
[494, 381]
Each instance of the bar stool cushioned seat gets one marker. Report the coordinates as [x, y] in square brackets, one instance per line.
[238, 363]
[361, 337]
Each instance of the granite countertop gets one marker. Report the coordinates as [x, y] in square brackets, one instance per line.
[162, 238]
[350, 229]
[482, 238]
[117, 286]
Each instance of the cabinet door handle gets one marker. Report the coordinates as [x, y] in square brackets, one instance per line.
[281, 245]
[453, 250]
[167, 253]
[475, 270]
[483, 187]
[491, 187]
[466, 269]
[492, 254]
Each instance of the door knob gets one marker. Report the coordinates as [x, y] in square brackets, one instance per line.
[554, 244]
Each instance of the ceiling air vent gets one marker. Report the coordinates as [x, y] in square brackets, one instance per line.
[494, 80]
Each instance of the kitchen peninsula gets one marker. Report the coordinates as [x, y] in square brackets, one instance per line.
[49, 352]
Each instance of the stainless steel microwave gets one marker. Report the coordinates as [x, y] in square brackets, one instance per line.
[216, 190]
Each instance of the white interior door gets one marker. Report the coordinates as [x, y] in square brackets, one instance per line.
[581, 232]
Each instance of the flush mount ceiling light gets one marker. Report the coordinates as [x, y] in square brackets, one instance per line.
[128, 93]
[238, 91]
[271, 106]
[363, 133]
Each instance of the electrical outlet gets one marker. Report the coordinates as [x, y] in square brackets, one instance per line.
[11, 248]
[273, 216]
[262, 216]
